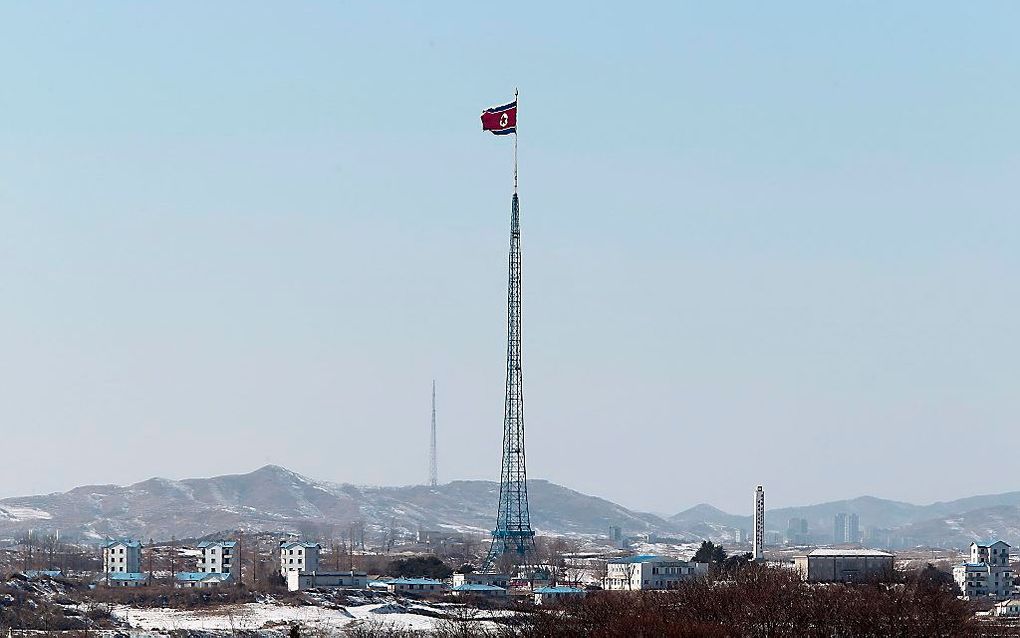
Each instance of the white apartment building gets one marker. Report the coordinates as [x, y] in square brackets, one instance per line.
[219, 557]
[298, 556]
[122, 556]
[988, 574]
[650, 572]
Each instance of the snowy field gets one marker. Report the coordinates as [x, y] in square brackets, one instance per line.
[321, 620]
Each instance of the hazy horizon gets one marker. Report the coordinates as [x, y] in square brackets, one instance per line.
[761, 245]
[748, 511]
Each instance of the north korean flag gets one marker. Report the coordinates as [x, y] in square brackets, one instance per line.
[501, 120]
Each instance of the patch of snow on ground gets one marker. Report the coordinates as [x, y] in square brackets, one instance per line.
[252, 616]
[17, 513]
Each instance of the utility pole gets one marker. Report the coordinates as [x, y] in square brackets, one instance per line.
[254, 561]
[239, 557]
[173, 555]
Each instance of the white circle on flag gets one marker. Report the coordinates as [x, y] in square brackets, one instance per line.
[503, 119]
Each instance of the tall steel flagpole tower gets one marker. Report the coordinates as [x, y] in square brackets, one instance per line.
[513, 533]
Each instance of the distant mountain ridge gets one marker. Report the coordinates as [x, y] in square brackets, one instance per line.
[276, 499]
[945, 523]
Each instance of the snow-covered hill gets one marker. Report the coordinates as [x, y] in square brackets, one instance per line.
[274, 498]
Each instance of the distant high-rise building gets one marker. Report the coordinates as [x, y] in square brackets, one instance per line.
[839, 528]
[758, 551]
[846, 528]
[797, 531]
[853, 528]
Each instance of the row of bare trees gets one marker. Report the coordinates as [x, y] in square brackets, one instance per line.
[768, 602]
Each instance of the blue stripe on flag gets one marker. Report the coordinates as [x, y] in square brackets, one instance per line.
[497, 109]
[505, 131]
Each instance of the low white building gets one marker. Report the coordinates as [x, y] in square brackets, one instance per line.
[198, 580]
[553, 595]
[477, 589]
[298, 556]
[1009, 608]
[415, 586]
[650, 572]
[127, 579]
[844, 565]
[988, 574]
[219, 557]
[478, 578]
[297, 581]
[122, 556]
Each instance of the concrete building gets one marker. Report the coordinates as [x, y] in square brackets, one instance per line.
[298, 556]
[844, 565]
[415, 586]
[122, 556]
[758, 545]
[988, 574]
[650, 572]
[846, 528]
[853, 528]
[198, 580]
[218, 557]
[797, 531]
[298, 581]
[839, 528]
[477, 589]
[553, 595]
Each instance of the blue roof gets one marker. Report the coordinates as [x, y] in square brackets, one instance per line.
[559, 590]
[989, 543]
[35, 573]
[982, 565]
[415, 581]
[289, 545]
[131, 576]
[194, 577]
[224, 543]
[477, 587]
[641, 558]
[122, 541]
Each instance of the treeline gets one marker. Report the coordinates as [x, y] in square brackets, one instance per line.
[755, 602]
[768, 602]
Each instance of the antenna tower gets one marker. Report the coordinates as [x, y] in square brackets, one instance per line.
[433, 467]
[513, 533]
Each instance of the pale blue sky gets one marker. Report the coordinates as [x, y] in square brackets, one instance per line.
[762, 243]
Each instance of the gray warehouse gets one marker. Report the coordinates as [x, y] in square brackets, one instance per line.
[844, 565]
